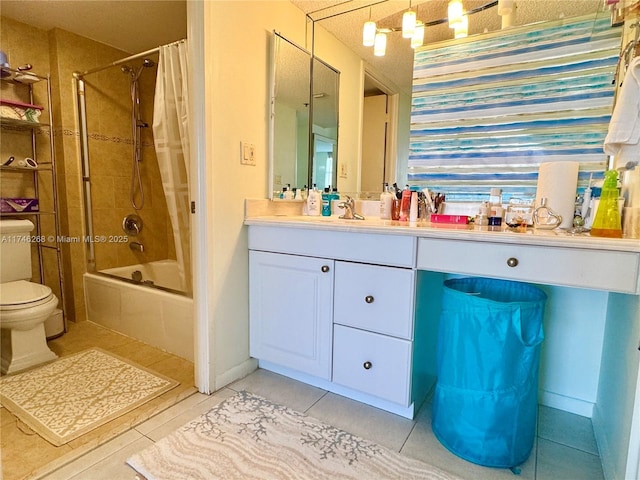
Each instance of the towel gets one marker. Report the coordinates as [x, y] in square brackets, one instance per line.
[624, 129]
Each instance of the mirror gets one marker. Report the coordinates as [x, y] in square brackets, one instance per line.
[304, 114]
[344, 20]
[326, 87]
[290, 100]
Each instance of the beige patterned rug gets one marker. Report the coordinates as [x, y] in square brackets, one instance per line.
[71, 396]
[248, 437]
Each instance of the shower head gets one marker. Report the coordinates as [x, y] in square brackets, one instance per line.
[148, 63]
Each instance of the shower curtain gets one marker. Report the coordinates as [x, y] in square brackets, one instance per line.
[171, 138]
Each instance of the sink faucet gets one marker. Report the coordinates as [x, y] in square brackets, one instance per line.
[349, 205]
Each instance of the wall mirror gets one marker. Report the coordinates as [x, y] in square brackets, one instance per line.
[393, 71]
[304, 118]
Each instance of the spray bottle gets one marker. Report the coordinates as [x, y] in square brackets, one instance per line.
[607, 222]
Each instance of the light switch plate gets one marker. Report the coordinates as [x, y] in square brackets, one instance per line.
[247, 154]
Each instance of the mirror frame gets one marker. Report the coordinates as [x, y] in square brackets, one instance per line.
[311, 131]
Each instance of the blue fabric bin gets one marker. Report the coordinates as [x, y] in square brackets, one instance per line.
[486, 397]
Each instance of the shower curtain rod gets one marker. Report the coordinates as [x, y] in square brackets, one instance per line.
[125, 60]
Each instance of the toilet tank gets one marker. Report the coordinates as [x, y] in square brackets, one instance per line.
[15, 250]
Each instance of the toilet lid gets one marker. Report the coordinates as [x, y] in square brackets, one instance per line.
[21, 293]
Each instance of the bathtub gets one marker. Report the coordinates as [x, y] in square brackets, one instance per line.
[151, 310]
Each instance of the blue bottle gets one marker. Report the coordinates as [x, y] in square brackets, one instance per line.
[326, 202]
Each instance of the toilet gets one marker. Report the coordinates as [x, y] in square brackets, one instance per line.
[24, 305]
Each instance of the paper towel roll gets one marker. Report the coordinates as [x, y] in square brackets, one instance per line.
[558, 182]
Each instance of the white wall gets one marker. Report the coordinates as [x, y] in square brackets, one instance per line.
[236, 45]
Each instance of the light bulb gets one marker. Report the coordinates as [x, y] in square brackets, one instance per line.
[418, 36]
[455, 10]
[408, 24]
[462, 29]
[369, 34]
[380, 45]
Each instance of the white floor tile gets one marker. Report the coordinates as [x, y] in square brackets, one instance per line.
[567, 429]
[171, 413]
[95, 456]
[115, 467]
[423, 445]
[557, 461]
[163, 429]
[363, 420]
[279, 389]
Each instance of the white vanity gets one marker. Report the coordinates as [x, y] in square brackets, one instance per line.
[352, 307]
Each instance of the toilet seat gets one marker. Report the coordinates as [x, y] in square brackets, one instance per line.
[23, 294]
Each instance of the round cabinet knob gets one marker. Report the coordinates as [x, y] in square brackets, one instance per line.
[325, 268]
[512, 262]
[367, 365]
[369, 299]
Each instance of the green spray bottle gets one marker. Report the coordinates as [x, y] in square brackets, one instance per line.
[607, 221]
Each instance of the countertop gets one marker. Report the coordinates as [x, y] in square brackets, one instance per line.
[373, 225]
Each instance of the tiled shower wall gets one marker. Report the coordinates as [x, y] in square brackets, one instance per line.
[60, 53]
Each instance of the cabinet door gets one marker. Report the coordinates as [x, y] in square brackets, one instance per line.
[290, 308]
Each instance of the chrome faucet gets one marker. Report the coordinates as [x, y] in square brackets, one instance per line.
[136, 247]
[349, 205]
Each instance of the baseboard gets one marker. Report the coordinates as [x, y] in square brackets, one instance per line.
[567, 404]
[235, 373]
[607, 456]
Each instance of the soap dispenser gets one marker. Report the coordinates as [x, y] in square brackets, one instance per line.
[313, 202]
[607, 222]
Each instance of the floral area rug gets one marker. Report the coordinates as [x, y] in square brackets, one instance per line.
[248, 437]
[73, 395]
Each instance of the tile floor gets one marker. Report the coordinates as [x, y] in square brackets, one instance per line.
[565, 447]
[26, 455]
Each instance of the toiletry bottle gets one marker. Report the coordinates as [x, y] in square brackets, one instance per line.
[313, 202]
[282, 193]
[405, 204]
[335, 196]
[395, 208]
[288, 193]
[607, 222]
[386, 203]
[495, 207]
[298, 194]
[326, 202]
[413, 209]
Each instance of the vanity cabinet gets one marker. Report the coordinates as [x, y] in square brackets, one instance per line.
[334, 316]
[290, 310]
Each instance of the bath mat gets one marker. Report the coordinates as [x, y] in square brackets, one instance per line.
[247, 436]
[73, 395]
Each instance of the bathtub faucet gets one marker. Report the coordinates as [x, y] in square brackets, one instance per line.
[136, 247]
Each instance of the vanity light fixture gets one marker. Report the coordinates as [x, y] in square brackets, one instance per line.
[417, 40]
[380, 45]
[462, 29]
[455, 11]
[408, 23]
[369, 32]
[505, 7]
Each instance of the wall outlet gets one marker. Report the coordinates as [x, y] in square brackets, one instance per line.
[247, 154]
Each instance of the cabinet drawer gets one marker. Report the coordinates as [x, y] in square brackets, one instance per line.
[372, 363]
[574, 267]
[374, 298]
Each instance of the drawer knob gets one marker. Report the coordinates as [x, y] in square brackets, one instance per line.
[325, 268]
[367, 365]
[369, 299]
[512, 262]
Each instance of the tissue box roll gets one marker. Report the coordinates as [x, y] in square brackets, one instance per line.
[558, 183]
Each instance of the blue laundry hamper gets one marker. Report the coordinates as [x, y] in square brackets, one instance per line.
[486, 396]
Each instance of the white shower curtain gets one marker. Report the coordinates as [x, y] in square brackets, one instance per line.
[171, 138]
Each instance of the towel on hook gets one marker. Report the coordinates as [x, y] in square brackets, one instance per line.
[624, 129]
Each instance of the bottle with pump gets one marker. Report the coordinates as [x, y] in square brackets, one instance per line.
[314, 202]
[287, 192]
[405, 204]
[326, 202]
[386, 203]
[607, 222]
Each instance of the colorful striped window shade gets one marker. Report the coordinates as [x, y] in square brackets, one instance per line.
[486, 112]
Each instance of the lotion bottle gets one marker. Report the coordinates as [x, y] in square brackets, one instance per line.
[313, 202]
[386, 203]
[405, 204]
